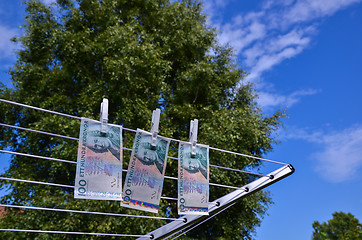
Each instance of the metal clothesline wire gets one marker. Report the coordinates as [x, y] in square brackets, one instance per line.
[57, 185]
[36, 182]
[36, 156]
[132, 130]
[37, 131]
[67, 161]
[40, 109]
[128, 149]
[221, 167]
[73, 233]
[69, 186]
[89, 212]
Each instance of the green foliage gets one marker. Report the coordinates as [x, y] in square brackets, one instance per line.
[140, 55]
[343, 226]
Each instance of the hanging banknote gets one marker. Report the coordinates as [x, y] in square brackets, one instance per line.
[146, 170]
[193, 180]
[99, 162]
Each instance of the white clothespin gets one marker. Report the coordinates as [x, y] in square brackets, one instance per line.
[104, 116]
[154, 126]
[193, 136]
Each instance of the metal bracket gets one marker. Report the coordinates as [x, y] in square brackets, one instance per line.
[219, 205]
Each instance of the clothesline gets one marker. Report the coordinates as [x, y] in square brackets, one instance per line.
[128, 149]
[214, 204]
[73, 233]
[88, 212]
[132, 130]
[124, 170]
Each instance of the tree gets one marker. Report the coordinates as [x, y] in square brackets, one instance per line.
[140, 55]
[343, 226]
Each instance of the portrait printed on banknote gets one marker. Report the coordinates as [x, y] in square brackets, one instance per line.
[101, 143]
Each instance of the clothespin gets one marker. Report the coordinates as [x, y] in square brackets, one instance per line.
[104, 116]
[154, 126]
[193, 136]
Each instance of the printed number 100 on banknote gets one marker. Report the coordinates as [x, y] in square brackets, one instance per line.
[193, 180]
[99, 162]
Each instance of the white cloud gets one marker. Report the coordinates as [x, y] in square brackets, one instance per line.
[272, 3]
[267, 99]
[264, 38]
[340, 155]
[267, 61]
[302, 134]
[263, 56]
[241, 37]
[259, 38]
[6, 46]
[307, 10]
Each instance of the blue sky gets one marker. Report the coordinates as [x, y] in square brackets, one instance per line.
[303, 55]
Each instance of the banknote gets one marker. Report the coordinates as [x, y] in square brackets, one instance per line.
[193, 180]
[146, 170]
[99, 162]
